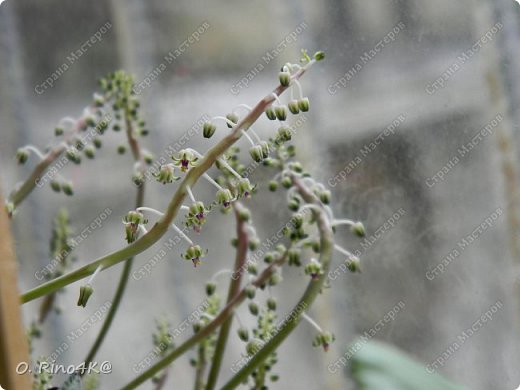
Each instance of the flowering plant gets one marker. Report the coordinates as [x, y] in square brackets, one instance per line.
[309, 236]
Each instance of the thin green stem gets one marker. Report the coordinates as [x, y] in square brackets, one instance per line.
[208, 330]
[309, 296]
[161, 226]
[34, 179]
[260, 380]
[125, 274]
[201, 367]
[234, 289]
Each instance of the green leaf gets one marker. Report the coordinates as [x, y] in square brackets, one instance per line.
[379, 366]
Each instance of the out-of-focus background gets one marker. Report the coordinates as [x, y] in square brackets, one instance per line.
[413, 127]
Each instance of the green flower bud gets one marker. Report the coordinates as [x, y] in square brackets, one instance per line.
[210, 289]
[296, 166]
[304, 104]
[79, 144]
[270, 162]
[265, 148]
[84, 294]
[275, 279]
[135, 217]
[22, 155]
[319, 55]
[274, 378]
[89, 121]
[253, 308]
[358, 229]
[55, 185]
[273, 185]
[224, 197]
[283, 134]
[281, 112]
[196, 216]
[254, 346]
[243, 333]
[232, 118]
[271, 304]
[9, 209]
[254, 243]
[90, 151]
[66, 187]
[280, 248]
[353, 264]
[324, 339]
[252, 268]
[194, 253]
[314, 269]
[97, 143]
[293, 205]
[297, 221]
[285, 78]
[102, 126]
[256, 153]
[244, 215]
[99, 101]
[166, 174]
[148, 158]
[185, 160]
[269, 112]
[197, 326]
[244, 188]
[325, 196]
[121, 149]
[269, 257]
[58, 131]
[293, 107]
[294, 258]
[208, 129]
[287, 182]
[250, 292]
[138, 178]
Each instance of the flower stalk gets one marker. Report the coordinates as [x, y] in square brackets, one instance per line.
[233, 290]
[311, 293]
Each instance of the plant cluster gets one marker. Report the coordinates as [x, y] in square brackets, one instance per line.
[309, 243]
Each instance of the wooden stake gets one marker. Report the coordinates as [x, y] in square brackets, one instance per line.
[13, 341]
